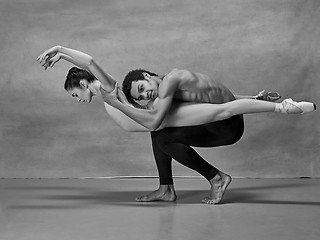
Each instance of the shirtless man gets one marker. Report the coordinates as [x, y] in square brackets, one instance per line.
[186, 86]
[83, 85]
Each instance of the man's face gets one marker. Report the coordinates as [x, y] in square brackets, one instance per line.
[146, 89]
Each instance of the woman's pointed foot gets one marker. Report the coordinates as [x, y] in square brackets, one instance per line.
[291, 107]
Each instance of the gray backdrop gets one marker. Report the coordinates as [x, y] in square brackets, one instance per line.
[249, 45]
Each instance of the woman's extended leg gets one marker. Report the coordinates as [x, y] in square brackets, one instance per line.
[245, 106]
[184, 114]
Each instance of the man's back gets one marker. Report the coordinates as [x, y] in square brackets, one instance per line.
[197, 87]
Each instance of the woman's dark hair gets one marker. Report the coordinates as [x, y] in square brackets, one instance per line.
[74, 76]
[133, 76]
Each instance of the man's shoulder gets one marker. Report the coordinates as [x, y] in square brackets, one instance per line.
[173, 70]
[171, 73]
[178, 74]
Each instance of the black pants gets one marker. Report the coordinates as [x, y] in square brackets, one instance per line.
[176, 142]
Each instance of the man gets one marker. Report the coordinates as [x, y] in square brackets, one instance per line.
[176, 143]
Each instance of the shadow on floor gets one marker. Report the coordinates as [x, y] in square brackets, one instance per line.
[77, 198]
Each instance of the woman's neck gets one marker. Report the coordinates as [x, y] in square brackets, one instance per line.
[95, 87]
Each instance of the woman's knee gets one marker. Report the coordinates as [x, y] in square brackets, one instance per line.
[223, 115]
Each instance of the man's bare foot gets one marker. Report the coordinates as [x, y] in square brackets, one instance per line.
[164, 193]
[219, 185]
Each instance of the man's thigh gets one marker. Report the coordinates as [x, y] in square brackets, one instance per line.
[219, 133]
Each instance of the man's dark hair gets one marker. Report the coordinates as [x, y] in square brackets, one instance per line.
[74, 76]
[133, 76]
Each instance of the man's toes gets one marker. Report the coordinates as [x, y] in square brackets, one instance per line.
[141, 199]
[205, 200]
[208, 200]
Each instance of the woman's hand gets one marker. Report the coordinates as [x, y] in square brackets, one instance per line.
[51, 61]
[48, 55]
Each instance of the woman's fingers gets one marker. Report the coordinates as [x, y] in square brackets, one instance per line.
[42, 57]
[45, 65]
[39, 58]
[53, 62]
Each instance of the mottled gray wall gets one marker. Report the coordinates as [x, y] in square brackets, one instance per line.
[247, 44]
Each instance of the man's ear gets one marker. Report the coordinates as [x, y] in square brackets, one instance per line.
[84, 84]
[146, 76]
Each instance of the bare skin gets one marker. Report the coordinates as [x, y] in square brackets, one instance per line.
[163, 193]
[185, 86]
[167, 193]
[219, 185]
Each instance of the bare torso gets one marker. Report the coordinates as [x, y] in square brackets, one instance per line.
[202, 88]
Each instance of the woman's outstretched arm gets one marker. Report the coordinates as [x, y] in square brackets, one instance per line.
[80, 59]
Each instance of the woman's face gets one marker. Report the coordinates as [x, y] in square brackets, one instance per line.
[81, 94]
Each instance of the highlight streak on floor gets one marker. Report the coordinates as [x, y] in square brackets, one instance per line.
[97, 209]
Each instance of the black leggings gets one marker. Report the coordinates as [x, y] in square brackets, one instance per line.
[176, 142]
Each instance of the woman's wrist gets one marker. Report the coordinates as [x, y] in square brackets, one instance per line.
[59, 49]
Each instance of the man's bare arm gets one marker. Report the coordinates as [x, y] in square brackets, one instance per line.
[151, 118]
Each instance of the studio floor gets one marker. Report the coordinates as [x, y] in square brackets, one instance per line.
[96, 209]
